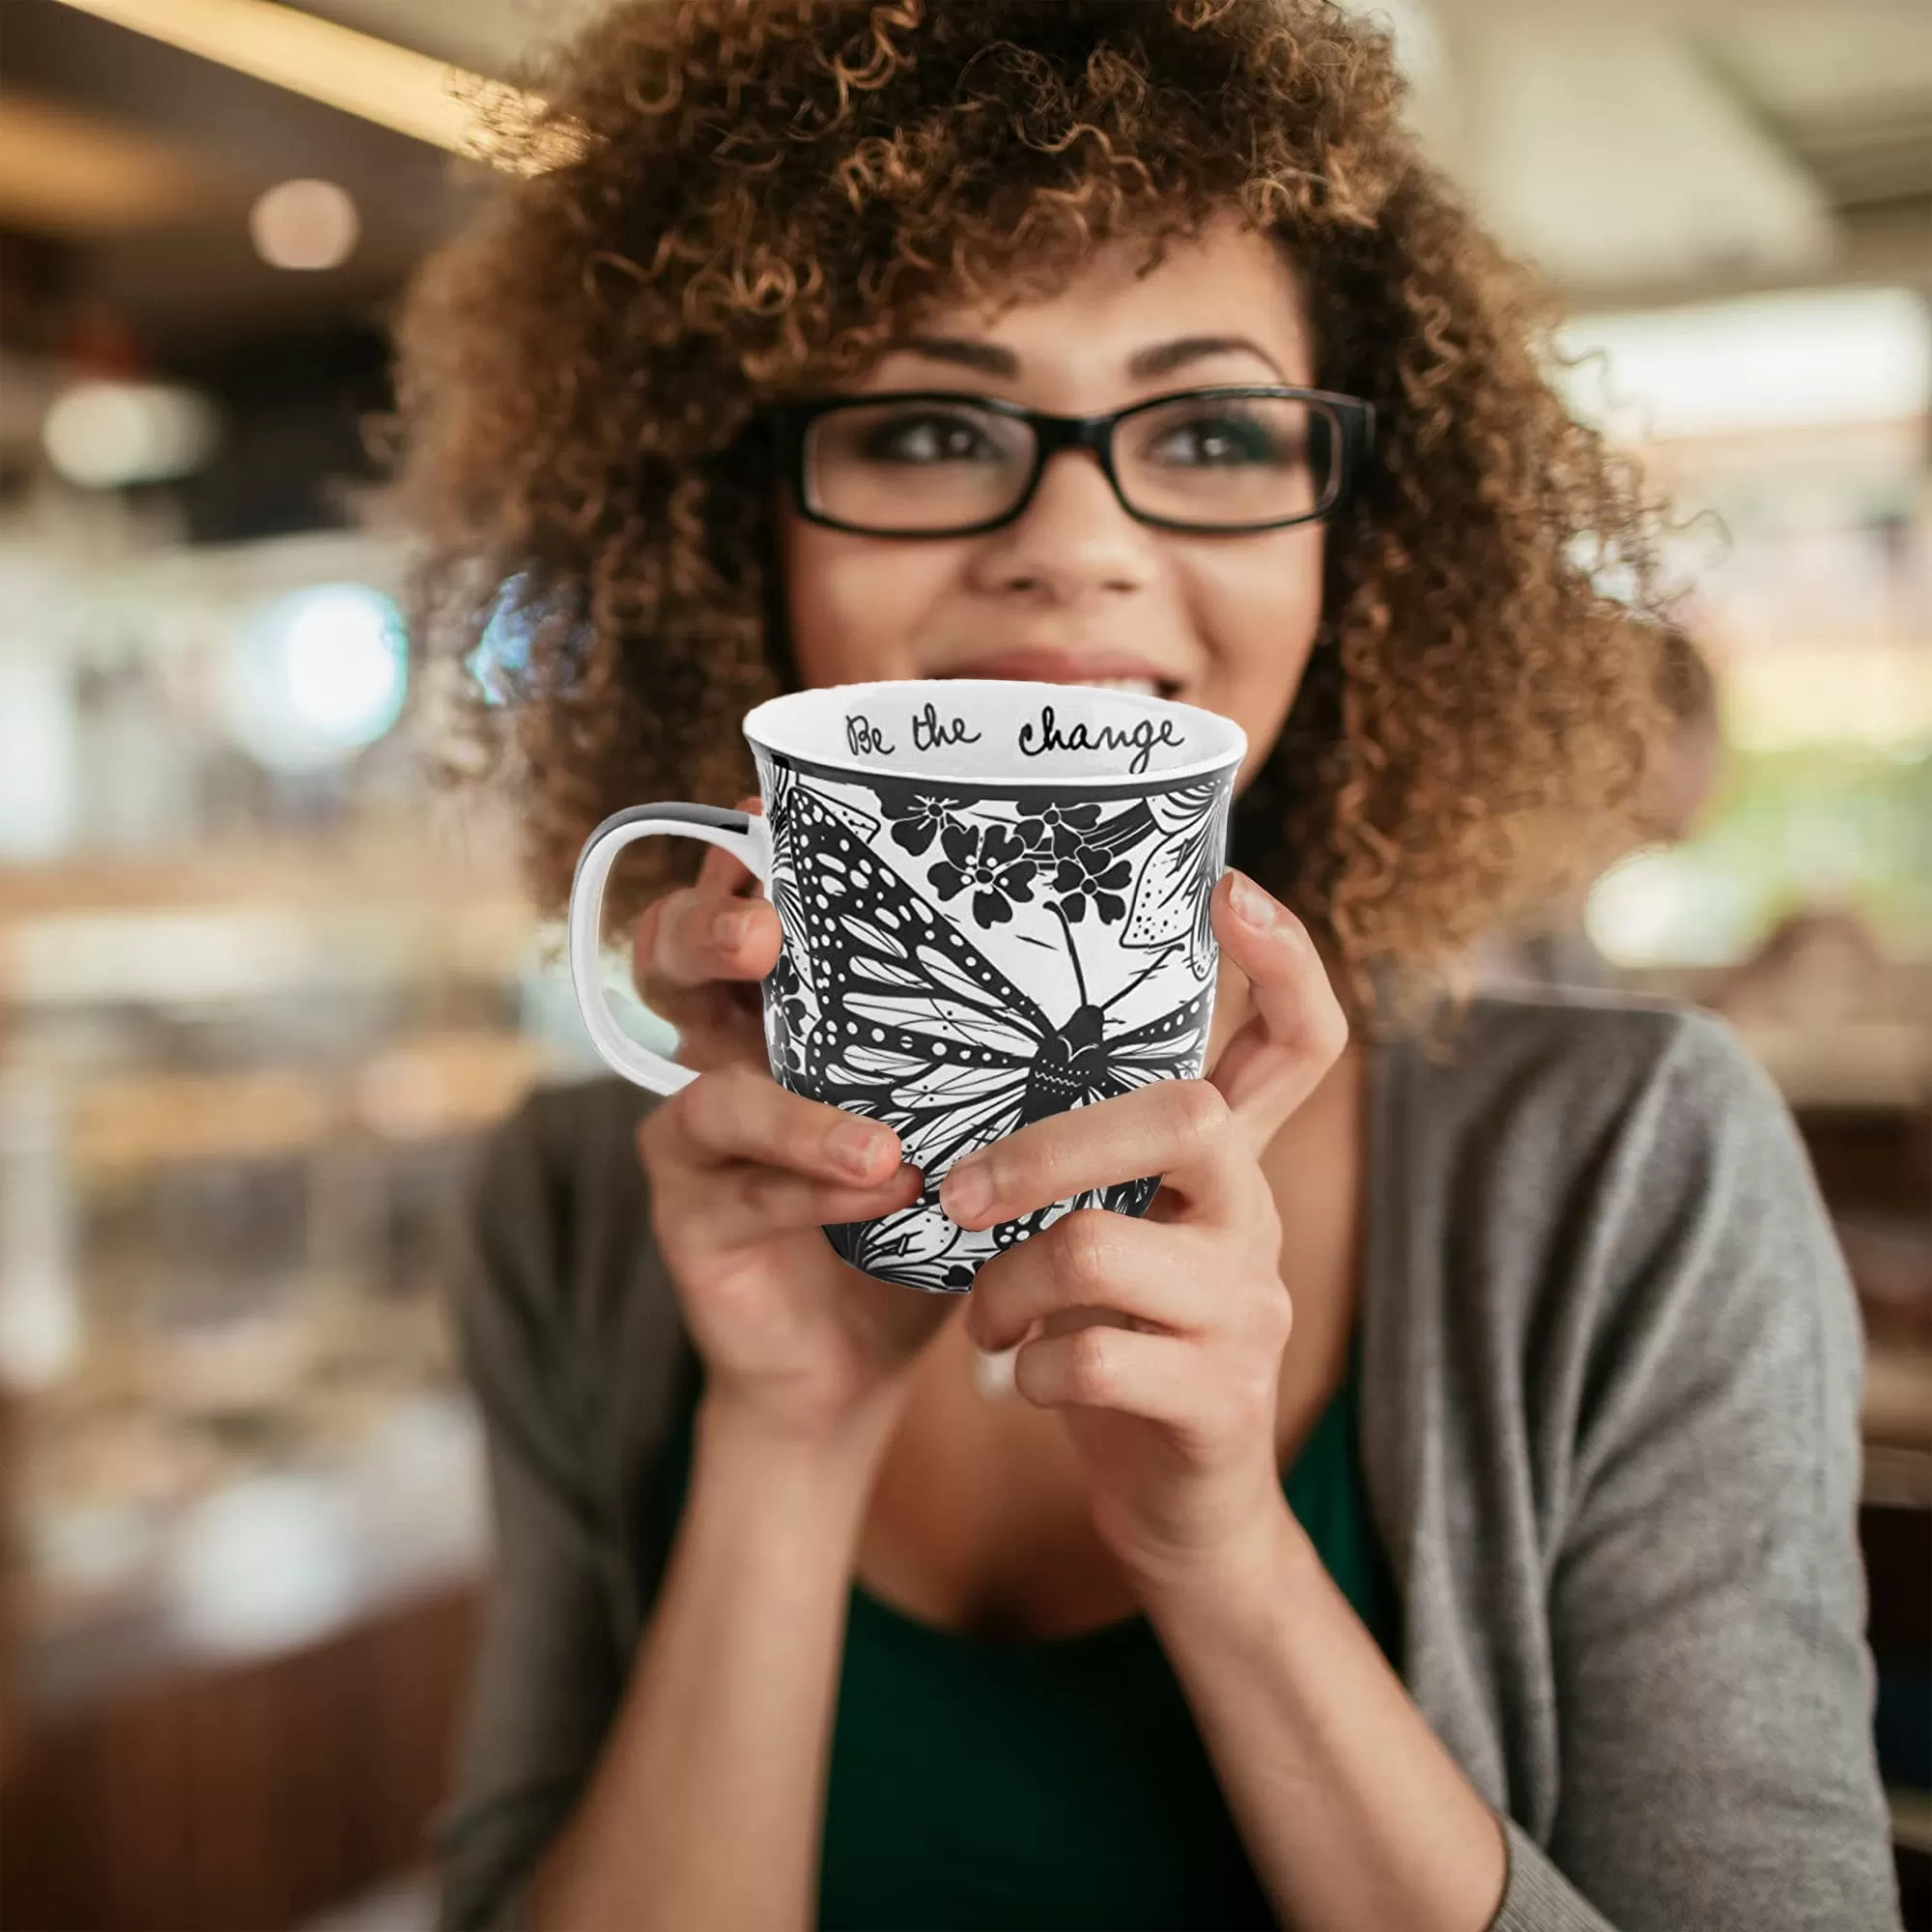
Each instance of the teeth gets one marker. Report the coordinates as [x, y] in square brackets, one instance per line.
[1140, 687]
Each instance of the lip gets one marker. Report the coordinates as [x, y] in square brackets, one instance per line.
[1055, 666]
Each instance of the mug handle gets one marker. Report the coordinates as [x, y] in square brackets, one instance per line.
[746, 836]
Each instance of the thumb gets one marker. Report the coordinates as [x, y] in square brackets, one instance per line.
[1298, 1028]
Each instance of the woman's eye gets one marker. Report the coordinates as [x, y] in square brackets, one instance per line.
[929, 439]
[1219, 440]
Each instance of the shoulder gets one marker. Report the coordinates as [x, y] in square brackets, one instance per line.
[1561, 1070]
[1603, 1175]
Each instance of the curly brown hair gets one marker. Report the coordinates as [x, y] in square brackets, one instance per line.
[757, 194]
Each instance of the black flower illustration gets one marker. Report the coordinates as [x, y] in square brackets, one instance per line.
[1057, 827]
[785, 1014]
[917, 818]
[1091, 872]
[993, 861]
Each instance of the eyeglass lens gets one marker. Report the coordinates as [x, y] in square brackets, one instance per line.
[1212, 461]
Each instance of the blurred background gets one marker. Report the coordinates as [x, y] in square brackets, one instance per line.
[261, 984]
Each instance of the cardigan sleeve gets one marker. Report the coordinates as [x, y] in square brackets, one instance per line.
[548, 1675]
[1713, 1686]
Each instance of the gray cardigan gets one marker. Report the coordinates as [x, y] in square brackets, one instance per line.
[1609, 1426]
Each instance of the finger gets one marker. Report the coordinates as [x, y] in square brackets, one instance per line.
[696, 939]
[720, 1027]
[716, 1023]
[729, 1210]
[1299, 1031]
[673, 943]
[1150, 1271]
[756, 1203]
[723, 871]
[1178, 1129]
[739, 1113]
[1101, 1366]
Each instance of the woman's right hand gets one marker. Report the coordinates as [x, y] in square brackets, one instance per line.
[744, 1175]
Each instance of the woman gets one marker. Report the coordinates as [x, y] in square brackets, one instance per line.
[1517, 1584]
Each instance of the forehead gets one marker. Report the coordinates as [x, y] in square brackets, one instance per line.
[1230, 282]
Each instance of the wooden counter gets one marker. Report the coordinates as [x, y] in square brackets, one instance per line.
[243, 1798]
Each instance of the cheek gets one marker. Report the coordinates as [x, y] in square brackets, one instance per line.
[854, 604]
[1258, 604]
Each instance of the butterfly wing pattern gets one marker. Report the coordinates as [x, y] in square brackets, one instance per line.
[1171, 896]
[884, 1005]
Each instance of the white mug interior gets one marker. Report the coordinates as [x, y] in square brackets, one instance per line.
[995, 731]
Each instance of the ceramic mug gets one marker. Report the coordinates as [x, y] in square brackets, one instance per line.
[994, 905]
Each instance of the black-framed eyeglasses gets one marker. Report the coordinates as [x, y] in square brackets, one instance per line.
[936, 463]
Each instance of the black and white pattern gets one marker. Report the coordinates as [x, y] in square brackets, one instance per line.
[959, 963]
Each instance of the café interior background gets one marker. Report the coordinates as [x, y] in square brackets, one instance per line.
[260, 985]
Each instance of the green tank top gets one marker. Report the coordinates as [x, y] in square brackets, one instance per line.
[1059, 1783]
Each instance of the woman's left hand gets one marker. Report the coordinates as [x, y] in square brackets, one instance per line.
[1161, 1338]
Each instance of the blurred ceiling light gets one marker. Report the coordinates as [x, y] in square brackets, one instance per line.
[303, 224]
[102, 435]
[317, 676]
[427, 99]
[1772, 362]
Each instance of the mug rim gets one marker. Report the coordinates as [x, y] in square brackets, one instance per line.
[759, 722]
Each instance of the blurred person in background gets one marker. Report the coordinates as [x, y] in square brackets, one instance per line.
[1814, 964]
[1514, 1583]
[1688, 760]
[1684, 760]
[1815, 959]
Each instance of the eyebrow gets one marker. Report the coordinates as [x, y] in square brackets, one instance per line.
[1163, 359]
[985, 357]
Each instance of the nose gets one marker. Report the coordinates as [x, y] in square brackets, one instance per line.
[1075, 541]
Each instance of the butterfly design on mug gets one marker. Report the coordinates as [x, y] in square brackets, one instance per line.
[888, 1008]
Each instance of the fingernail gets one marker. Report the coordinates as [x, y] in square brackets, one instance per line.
[729, 927]
[967, 1191]
[1252, 905]
[856, 1146]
